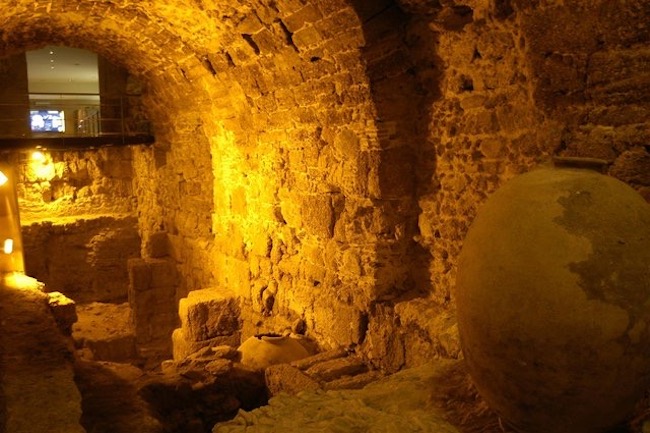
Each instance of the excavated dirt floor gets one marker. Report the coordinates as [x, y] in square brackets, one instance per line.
[45, 388]
[103, 332]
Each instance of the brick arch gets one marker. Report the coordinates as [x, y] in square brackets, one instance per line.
[162, 60]
[268, 144]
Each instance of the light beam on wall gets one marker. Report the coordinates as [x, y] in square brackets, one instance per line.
[12, 259]
[8, 246]
[41, 166]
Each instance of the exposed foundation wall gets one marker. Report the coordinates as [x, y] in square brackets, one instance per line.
[85, 259]
[77, 214]
[74, 184]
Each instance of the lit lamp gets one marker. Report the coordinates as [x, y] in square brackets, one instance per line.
[11, 255]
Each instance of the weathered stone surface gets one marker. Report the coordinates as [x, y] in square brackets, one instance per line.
[336, 368]
[633, 167]
[305, 363]
[348, 327]
[394, 404]
[86, 259]
[426, 318]
[353, 382]
[63, 309]
[104, 332]
[283, 378]
[226, 352]
[115, 349]
[151, 295]
[157, 245]
[36, 365]
[182, 347]
[209, 313]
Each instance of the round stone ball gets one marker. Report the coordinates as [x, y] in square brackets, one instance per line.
[553, 301]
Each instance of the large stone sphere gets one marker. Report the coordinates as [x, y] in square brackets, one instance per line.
[553, 301]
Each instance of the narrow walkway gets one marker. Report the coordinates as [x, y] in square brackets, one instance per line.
[39, 394]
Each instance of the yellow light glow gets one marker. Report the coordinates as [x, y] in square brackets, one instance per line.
[18, 280]
[38, 156]
[41, 166]
[3, 178]
[8, 246]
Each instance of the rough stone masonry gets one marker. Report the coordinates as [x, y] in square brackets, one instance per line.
[322, 160]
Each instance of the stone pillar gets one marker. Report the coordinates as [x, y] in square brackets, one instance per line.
[152, 298]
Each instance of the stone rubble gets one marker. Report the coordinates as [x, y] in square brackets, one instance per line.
[398, 403]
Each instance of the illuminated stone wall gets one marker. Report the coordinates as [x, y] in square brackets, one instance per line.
[78, 218]
[323, 160]
[69, 185]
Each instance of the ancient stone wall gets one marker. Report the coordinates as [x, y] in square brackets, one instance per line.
[522, 82]
[323, 160]
[77, 214]
[84, 259]
[73, 184]
[295, 174]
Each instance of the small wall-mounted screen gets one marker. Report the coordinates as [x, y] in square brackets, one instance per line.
[47, 121]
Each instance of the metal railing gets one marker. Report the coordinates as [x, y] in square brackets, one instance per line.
[61, 115]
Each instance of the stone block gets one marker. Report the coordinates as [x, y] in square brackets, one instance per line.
[287, 379]
[163, 273]
[154, 327]
[431, 331]
[151, 302]
[64, 311]
[182, 347]
[348, 328]
[632, 166]
[298, 19]
[347, 144]
[250, 25]
[306, 37]
[353, 382]
[209, 313]
[336, 368]
[619, 76]
[225, 352]
[305, 363]
[157, 245]
[318, 215]
[139, 275]
[145, 274]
